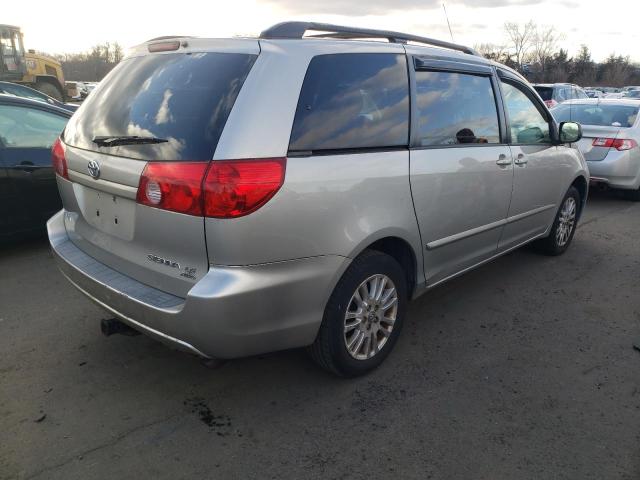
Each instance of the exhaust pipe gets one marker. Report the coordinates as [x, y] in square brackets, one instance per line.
[110, 326]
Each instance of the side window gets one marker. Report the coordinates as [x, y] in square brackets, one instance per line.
[455, 108]
[527, 124]
[29, 128]
[8, 53]
[353, 101]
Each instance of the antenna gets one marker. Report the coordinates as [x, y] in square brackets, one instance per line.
[447, 17]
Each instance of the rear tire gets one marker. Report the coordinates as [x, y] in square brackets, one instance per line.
[564, 226]
[49, 89]
[364, 316]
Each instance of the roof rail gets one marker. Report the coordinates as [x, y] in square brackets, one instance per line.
[296, 30]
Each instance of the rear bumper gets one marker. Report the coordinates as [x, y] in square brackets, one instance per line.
[231, 312]
[617, 170]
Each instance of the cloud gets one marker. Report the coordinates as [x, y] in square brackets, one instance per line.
[379, 7]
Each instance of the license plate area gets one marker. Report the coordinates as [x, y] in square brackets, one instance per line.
[106, 212]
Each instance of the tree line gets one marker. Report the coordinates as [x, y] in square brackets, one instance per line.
[530, 48]
[92, 65]
[534, 51]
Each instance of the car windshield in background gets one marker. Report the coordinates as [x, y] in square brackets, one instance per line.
[599, 115]
[183, 98]
[546, 93]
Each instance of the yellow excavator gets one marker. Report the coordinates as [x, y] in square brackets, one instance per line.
[37, 71]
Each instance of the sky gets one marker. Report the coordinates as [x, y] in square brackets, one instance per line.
[606, 27]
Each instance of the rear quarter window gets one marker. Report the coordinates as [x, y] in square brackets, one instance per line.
[351, 101]
[184, 98]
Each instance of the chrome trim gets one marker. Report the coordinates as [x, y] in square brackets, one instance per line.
[139, 326]
[489, 226]
[499, 254]
[103, 185]
[598, 179]
[467, 233]
[520, 216]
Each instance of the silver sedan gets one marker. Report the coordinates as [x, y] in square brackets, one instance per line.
[611, 134]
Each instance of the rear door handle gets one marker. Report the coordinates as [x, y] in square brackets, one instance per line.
[521, 159]
[503, 160]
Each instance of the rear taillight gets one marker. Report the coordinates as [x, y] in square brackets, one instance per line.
[550, 103]
[234, 188]
[58, 159]
[175, 186]
[620, 144]
[221, 189]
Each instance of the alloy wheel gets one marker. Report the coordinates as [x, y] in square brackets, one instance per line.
[370, 317]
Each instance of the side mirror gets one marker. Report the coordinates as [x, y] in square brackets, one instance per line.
[570, 132]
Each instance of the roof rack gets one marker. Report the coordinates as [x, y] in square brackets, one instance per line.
[296, 30]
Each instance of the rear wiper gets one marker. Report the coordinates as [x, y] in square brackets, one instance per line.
[114, 141]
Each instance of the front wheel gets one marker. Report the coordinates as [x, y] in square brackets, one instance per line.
[363, 317]
[564, 225]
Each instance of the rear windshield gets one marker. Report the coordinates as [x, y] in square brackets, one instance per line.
[600, 115]
[184, 98]
[546, 93]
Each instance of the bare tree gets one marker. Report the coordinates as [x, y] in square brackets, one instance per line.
[492, 51]
[117, 53]
[520, 38]
[544, 43]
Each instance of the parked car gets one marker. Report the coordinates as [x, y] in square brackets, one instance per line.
[632, 94]
[611, 129]
[555, 93]
[593, 93]
[28, 92]
[259, 196]
[28, 190]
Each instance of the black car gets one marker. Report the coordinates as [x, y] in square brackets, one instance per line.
[27, 92]
[28, 190]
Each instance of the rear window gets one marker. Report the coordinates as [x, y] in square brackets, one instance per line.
[600, 115]
[183, 98]
[351, 101]
[546, 93]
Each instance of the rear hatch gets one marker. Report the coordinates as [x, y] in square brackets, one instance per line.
[163, 109]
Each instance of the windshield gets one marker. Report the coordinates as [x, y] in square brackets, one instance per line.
[183, 98]
[599, 115]
[546, 93]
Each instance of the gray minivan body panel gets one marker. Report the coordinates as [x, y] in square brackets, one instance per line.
[461, 197]
[329, 205]
[341, 202]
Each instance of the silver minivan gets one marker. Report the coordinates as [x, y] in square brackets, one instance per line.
[236, 196]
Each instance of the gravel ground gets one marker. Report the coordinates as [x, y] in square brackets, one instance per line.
[522, 369]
